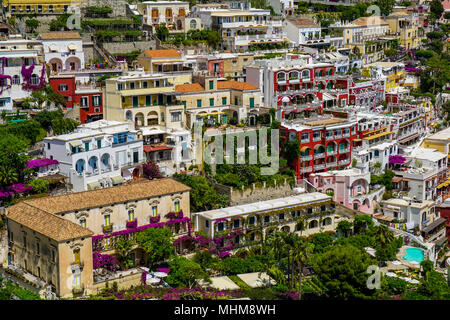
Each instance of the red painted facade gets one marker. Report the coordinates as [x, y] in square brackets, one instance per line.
[216, 67]
[445, 213]
[92, 110]
[322, 153]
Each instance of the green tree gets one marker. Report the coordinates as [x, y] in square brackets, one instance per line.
[321, 241]
[185, 273]
[394, 286]
[32, 24]
[343, 270]
[344, 227]
[426, 265]
[362, 222]
[301, 252]
[40, 185]
[157, 243]
[291, 150]
[436, 9]
[123, 247]
[433, 285]
[385, 6]
[12, 159]
[162, 32]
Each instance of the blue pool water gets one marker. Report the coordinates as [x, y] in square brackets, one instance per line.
[414, 254]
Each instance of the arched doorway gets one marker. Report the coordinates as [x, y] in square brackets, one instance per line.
[136, 173]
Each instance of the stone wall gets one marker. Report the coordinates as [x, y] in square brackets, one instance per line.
[254, 194]
[122, 282]
[121, 47]
[119, 7]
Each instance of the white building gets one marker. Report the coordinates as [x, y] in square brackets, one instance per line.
[63, 50]
[155, 13]
[284, 7]
[98, 154]
[21, 70]
[302, 30]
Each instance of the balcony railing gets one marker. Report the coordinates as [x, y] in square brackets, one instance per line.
[330, 138]
[319, 166]
[331, 164]
[344, 150]
[107, 228]
[331, 152]
[319, 155]
[317, 138]
[346, 134]
[338, 136]
[305, 140]
[77, 263]
[344, 162]
[306, 158]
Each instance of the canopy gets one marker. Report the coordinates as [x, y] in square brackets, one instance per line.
[93, 185]
[117, 180]
[53, 48]
[72, 47]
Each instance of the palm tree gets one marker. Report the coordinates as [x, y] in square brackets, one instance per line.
[275, 241]
[301, 253]
[385, 236]
[300, 225]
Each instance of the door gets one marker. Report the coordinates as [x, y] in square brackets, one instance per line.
[135, 101]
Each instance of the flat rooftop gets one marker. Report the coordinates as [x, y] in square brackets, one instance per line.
[263, 206]
[443, 135]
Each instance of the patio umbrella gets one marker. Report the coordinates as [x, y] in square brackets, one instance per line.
[145, 269]
[152, 280]
[160, 274]
[391, 274]
[414, 281]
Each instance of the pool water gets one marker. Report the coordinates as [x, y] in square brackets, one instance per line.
[414, 254]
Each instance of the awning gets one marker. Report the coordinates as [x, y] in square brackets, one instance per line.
[76, 143]
[303, 149]
[328, 97]
[441, 241]
[157, 148]
[72, 47]
[385, 218]
[117, 180]
[415, 135]
[215, 113]
[93, 185]
[397, 179]
[434, 224]
[378, 135]
[53, 48]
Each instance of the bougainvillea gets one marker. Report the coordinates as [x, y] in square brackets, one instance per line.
[151, 170]
[155, 219]
[37, 163]
[105, 261]
[4, 77]
[27, 73]
[220, 220]
[397, 159]
[132, 224]
[174, 215]
[19, 187]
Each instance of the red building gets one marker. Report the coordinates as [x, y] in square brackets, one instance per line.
[367, 93]
[444, 210]
[85, 97]
[325, 144]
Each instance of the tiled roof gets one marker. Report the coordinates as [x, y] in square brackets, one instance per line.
[303, 22]
[45, 223]
[190, 87]
[108, 196]
[237, 85]
[369, 21]
[58, 35]
[162, 53]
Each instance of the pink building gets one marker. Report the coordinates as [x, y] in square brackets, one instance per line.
[350, 188]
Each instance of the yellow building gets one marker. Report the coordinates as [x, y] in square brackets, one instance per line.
[39, 6]
[439, 141]
[405, 26]
[167, 62]
[393, 73]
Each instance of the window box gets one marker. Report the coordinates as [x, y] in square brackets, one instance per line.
[132, 224]
[108, 228]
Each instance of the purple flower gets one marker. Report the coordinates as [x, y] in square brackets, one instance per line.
[37, 163]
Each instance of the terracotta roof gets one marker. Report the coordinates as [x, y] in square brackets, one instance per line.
[108, 196]
[157, 148]
[162, 53]
[303, 22]
[190, 87]
[45, 223]
[369, 21]
[57, 35]
[237, 85]
[323, 122]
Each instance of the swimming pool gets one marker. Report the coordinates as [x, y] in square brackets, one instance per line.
[414, 254]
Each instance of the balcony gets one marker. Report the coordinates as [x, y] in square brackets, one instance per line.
[317, 138]
[346, 134]
[331, 164]
[78, 291]
[319, 166]
[107, 228]
[305, 140]
[331, 152]
[329, 138]
[78, 264]
[305, 169]
[306, 158]
[131, 224]
[319, 155]
[344, 150]
[338, 136]
[344, 162]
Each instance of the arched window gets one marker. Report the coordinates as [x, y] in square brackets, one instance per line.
[193, 24]
[129, 115]
[306, 74]
[281, 76]
[293, 75]
[131, 214]
[79, 166]
[34, 79]
[176, 205]
[16, 79]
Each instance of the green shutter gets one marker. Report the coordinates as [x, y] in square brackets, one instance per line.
[224, 101]
[135, 101]
[252, 102]
[211, 102]
[211, 85]
[199, 103]
[184, 104]
[148, 100]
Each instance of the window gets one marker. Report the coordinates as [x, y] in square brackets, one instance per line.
[224, 101]
[236, 223]
[199, 103]
[83, 223]
[131, 85]
[323, 208]
[84, 101]
[16, 79]
[107, 220]
[211, 102]
[176, 116]
[96, 101]
[211, 85]
[236, 101]
[53, 256]
[24, 242]
[251, 221]
[266, 219]
[252, 102]
[63, 87]
[99, 143]
[130, 214]
[154, 211]
[145, 84]
[38, 248]
[281, 216]
[176, 205]
[48, 146]
[220, 226]
[76, 256]
[119, 86]
[234, 63]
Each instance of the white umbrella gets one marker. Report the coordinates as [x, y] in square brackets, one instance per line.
[152, 280]
[160, 274]
[414, 281]
[396, 262]
[391, 274]
[145, 269]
